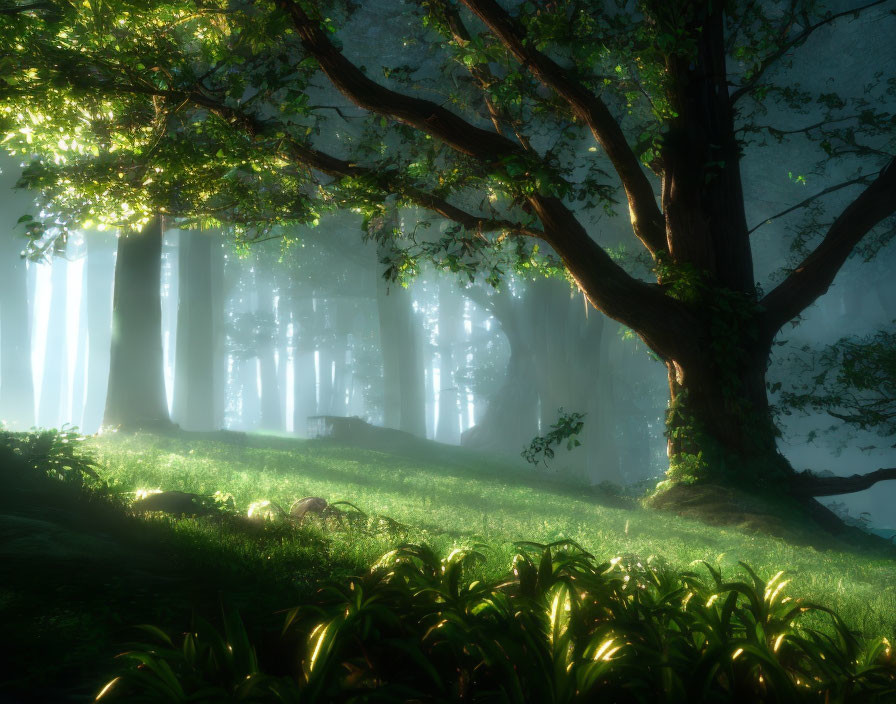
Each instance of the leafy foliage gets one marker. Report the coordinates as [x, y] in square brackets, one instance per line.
[852, 380]
[59, 453]
[561, 627]
[567, 428]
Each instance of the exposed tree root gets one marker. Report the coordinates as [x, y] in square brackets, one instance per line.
[807, 484]
[798, 519]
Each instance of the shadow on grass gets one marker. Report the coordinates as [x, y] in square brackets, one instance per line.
[453, 461]
[77, 573]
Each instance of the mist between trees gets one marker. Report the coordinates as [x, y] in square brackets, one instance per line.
[713, 123]
[210, 335]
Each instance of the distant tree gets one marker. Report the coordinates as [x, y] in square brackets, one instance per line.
[136, 398]
[51, 407]
[98, 283]
[195, 370]
[16, 383]
[206, 108]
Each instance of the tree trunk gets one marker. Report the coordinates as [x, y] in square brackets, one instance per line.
[558, 360]
[450, 318]
[510, 419]
[389, 347]
[98, 284]
[404, 395]
[79, 371]
[51, 409]
[304, 397]
[719, 425]
[16, 381]
[194, 367]
[136, 395]
[271, 418]
[413, 383]
[219, 333]
[600, 440]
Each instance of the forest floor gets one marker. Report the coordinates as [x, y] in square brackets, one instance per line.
[76, 578]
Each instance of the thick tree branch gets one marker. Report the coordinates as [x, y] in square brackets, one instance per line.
[647, 220]
[817, 271]
[664, 323]
[667, 326]
[367, 94]
[483, 76]
[786, 46]
[812, 485]
[387, 182]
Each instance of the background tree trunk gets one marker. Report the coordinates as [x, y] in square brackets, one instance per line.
[510, 418]
[98, 284]
[304, 383]
[54, 383]
[136, 394]
[16, 380]
[404, 396]
[271, 418]
[450, 317]
[79, 371]
[194, 368]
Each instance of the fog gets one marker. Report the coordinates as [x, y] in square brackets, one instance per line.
[265, 337]
[213, 334]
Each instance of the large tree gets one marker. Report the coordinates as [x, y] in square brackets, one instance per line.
[518, 121]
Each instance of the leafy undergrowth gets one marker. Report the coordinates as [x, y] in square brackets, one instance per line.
[79, 570]
[448, 496]
[560, 628]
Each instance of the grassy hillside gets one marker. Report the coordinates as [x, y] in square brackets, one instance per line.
[78, 569]
[448, 496]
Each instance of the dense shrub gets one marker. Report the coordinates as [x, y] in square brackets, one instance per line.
[561, 628]
[55, 453]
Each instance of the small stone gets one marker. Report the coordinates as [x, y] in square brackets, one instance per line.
[310, 504]
[175, 502]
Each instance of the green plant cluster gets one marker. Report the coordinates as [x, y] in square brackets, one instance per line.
[566, 429]
[58, 453]
[852, 380]
[561, 627]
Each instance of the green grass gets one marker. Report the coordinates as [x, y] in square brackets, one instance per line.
[449, 496]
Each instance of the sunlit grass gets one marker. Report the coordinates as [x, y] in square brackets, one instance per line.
[450, 497]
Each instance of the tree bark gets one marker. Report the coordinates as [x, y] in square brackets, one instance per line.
[136, 396]
[719, 424]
